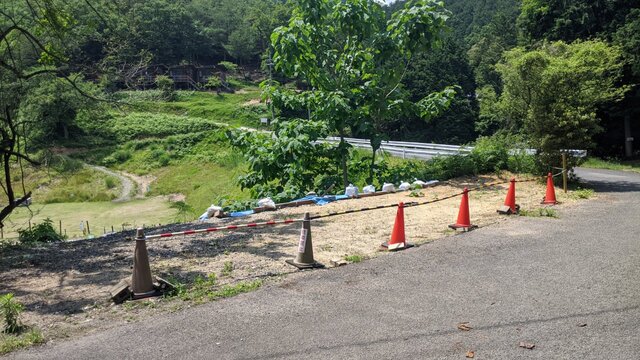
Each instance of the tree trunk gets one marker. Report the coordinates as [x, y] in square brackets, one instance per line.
[343, 160]
[373, 164]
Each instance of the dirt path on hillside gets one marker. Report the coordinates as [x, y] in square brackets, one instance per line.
[64, 286]
[129, 182]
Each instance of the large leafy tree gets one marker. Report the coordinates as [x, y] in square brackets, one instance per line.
[352, 59]
[551, 94]
[613, 21]
[32, 40]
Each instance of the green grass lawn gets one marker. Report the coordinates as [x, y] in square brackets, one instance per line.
[101, 215]
[595, 163]
[203, 183]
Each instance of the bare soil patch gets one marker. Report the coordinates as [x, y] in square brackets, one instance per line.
[252, 102]
[65, 286]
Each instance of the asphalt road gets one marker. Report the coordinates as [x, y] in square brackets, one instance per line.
[571, 286]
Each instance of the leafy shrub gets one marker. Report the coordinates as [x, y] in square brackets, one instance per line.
[166, 86]
[40, 233]
[213, 83]
[65, 164]
[490, 154]
[164, 160]
[185, 211]
[110, 182]
[122, 155]
[11, 310]
[229, 66]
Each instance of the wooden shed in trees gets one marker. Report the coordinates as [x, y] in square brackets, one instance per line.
[184, 76]
[205, 72]
[146, 77]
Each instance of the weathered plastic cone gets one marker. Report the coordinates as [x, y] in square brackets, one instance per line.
[464, 221]
[304, 259]
[141, 282]
[510, 206]
[398, 241]
[550, 197]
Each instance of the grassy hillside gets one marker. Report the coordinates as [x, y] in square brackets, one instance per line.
[180, 143]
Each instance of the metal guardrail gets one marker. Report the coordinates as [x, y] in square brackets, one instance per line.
[425, 151]
[409, 150]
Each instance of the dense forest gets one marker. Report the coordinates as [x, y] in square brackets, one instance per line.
[549, 74]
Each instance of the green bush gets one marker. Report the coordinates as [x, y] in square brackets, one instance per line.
[110, 182]
[65, 164]
[490, 154]
[166, 86]
[11, 310]
[40, 233]
[213, 83]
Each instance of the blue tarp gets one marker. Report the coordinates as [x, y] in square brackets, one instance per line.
[241, 213]
[319, 200]
[323, 200]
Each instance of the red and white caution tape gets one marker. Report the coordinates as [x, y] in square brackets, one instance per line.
[230, 227]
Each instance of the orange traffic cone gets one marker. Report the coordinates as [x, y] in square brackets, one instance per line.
[550, 197]
[510, 206]
[464, 222]
[397, 241]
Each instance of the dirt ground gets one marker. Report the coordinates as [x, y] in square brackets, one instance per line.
[65, 286]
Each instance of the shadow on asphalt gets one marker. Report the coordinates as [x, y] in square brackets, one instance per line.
[609, 181]
[613, 186]
[437, 333]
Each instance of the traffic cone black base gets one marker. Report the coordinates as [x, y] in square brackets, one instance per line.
[385, 247]
[146, 295]
[506, 210]
[303, 266]
[463, 227]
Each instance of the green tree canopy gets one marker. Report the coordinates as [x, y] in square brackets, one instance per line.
[353, 59]
[551, 94]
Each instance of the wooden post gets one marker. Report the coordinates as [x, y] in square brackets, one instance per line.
[88, 229]
[564, 172]
[60, 226]
[112, 229]
[628, 139]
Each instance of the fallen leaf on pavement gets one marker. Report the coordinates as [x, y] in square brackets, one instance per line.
[464, 326]
[582, 324]
[527, 345]
[470, 354]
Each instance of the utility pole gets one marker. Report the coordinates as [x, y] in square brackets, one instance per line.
[628, 143]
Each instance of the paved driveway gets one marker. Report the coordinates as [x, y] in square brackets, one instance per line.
[571, 286]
